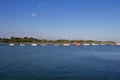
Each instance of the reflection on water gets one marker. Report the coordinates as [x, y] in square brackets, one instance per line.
[59, 63]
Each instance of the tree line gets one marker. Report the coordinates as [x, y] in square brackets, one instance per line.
[28, 40]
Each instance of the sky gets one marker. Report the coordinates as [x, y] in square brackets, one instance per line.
[61, 19]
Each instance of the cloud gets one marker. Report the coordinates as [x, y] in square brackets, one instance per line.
[36, 11]
[33, 14]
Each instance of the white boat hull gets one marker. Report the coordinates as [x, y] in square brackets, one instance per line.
[22, 44]
[66, 44]
[11, 44]
[43, 44]
[56, 44]
[33, 44]
[94, 44]
[86, 44]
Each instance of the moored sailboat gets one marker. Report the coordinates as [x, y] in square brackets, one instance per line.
[33, 44]
[76, 43]
[43, 44]
[66, 44]
[86, 44]
[56, 44]
[94, 44]
[118, 43]
[11, 44]
[22, 44]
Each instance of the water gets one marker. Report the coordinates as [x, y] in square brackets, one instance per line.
[59, 63]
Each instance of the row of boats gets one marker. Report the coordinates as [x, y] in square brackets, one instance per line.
[65, 44]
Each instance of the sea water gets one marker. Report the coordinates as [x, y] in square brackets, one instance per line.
[59, 62]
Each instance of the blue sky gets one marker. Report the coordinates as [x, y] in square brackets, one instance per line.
[61, 19]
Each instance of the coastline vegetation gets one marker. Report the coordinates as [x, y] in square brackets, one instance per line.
[27, 40]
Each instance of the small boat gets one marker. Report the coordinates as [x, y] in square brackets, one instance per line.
[86, 44]
[94, 44]
[76, 44]
[11, 44]
[33, 44]
[118, 43]
[43, 44]
[22, 44]
[56, 44]
[66, 44]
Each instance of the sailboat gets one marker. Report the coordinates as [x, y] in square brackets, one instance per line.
[11, 44]
[85, 44]
[94, 43]
[118, 43]
[76, 44]
[56, 44]
[66, 43]
[33, 44]
[21, 44]
[44, 43]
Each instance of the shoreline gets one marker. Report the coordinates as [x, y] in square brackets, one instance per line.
[27, 40]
